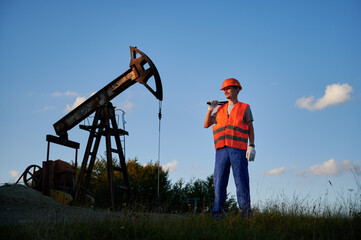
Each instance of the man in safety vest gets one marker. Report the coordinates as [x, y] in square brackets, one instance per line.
[233, 127]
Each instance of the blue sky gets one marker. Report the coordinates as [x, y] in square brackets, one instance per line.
[299, 63]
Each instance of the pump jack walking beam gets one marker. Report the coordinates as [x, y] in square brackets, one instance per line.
[136, 73]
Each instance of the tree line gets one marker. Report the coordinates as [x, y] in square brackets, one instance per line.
[179, 197]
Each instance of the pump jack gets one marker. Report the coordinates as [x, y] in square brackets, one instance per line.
[141, 69]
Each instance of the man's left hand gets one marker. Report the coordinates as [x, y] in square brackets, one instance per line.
[251, 154]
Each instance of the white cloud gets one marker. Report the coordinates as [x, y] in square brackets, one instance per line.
[14, 174]
[277, 171]
[127, 105]
[334, 94]
[170, 166]
[347, 165]
[67, 93]
[332, 167]
[327, 168]
[78, 101]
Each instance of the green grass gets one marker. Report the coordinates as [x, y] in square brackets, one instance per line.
[277, 218]
[270, 224]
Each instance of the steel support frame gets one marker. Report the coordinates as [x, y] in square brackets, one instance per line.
[104, 124]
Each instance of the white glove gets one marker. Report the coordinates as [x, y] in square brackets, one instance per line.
[250, 154]
[214, 103]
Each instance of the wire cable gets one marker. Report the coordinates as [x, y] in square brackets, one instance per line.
[159, 127]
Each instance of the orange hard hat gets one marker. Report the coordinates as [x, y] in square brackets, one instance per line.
[231, 82]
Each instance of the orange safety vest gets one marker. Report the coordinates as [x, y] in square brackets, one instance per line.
[230, 130]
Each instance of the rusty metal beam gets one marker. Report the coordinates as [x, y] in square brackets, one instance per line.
[141, 70]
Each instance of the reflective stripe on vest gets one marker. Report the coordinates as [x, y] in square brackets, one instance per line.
[230, 130]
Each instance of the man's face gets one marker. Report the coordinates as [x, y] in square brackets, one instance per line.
[231, 92]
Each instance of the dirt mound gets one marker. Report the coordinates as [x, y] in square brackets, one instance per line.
[20, 204]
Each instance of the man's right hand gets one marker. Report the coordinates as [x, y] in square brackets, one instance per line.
[214, 104]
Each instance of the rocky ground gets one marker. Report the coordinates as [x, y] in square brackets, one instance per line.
[20, 205]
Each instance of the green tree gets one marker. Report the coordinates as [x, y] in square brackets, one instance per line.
[178, 197]
[202, 189]
[143, 181]
[144, 185]
[99, 186]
